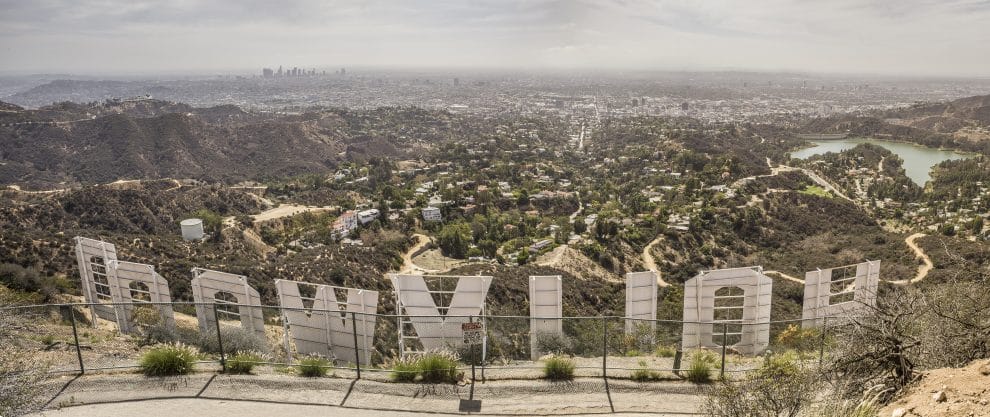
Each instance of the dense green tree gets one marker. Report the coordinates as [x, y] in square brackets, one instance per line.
[455, 239]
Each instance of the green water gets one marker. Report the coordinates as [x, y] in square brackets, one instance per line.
[918, 160]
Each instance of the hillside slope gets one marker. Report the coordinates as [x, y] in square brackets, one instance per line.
[71, 143]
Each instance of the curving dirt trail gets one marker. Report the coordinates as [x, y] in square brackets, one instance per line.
[924, 269]
[650, 263]
[408, 267]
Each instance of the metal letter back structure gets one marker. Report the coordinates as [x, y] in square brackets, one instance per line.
[329, 332]
[858, 291]
[700, 306]
[207, 284]
[125, 276]
[436, 327]
[641, 300]
[93, 257]
[545, 294]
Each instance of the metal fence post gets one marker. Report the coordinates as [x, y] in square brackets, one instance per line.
[285, 335]
[484, 348]
[357, 352]
[821, 345]
[725, 334]
[216, 320]
[474, 355]
[604, 347]
[75, 336]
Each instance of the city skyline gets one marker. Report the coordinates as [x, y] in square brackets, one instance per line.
[911, 38]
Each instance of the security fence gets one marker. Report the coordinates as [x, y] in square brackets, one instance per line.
[73, 340]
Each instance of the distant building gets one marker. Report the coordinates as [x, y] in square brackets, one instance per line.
[267, 73]
[539, 245]
[684, 106]
[432, 214]
[367, 216]
[345, 224]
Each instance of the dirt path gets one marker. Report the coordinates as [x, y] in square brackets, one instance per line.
[785, 276]
[118, 184]
[918, 253]
[650, 264]
[17, 188]
[212, 394]
[408, 267]
[287, 210]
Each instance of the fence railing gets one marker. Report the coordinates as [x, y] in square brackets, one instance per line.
[604, 346]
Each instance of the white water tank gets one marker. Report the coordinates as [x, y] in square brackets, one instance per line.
[192, 229]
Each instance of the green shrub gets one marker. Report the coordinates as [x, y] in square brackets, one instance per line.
[551, 343]
[798, 338]
[700, 369]
[404, 370]
[145, 316]
[243, 363]
[779, 387]
[314, 366]
[438, 367]
[433, 367]
[158, 334]
[558, 368]
[167, 360]
[28, 279]
[665, 351]
[644, 374]
[236, 339]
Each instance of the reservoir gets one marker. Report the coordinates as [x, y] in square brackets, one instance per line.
[918, 160]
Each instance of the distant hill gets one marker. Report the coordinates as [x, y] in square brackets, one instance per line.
[961, 112]
[76, 90]
[961, 124]
[7, 107]
[70, 143]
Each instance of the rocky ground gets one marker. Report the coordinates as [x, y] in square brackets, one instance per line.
[947, 392]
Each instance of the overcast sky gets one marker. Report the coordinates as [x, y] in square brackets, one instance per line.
[910, 37]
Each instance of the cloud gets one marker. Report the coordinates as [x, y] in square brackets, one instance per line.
[906, 36]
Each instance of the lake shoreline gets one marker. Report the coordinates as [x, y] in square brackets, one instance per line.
[919, 160]
[901, 141]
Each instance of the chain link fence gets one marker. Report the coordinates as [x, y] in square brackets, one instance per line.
[72, 339]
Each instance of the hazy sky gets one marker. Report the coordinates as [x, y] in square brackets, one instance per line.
[913, 37]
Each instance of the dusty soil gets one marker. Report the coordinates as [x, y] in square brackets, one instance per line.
[580, 396]
[434, 261]
[574, 262]
[967, 393]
